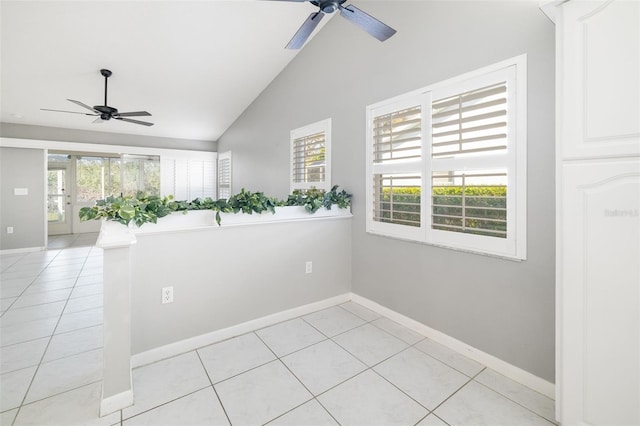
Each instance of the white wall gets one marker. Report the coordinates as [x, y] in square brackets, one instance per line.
[502, 307]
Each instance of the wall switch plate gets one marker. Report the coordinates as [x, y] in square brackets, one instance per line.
[9, 229]
[167, 295]
[309, 267]
[20, 191]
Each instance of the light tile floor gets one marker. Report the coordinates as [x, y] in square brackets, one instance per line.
[343, 365]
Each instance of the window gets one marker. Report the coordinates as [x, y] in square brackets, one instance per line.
[188, 178]
[311, 156]
[224, 175]
[140, 173]
[97, 178]
[100, 177]
[446, 164]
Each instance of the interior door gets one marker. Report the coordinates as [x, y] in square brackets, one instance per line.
[58, 200]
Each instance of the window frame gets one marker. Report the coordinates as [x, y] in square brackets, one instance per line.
[514, 160]
[323, 126]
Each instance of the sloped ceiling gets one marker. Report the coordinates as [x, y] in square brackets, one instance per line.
[194, 65]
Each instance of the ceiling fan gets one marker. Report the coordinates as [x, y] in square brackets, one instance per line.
[374, 27]
[105, 112]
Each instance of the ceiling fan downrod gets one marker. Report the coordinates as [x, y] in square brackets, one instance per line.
[106, 73]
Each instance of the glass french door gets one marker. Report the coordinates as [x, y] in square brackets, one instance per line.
[58, 200]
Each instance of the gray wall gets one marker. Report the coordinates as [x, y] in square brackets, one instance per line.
[225, 276]
[22, 168]
[502, 307]
[22, 131]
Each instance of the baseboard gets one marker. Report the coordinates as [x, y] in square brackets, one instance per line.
[511, 371]
[177, 348]
[22, 250]
[116, 402]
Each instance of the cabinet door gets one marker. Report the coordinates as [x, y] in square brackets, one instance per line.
[600, 293]
[599, 78]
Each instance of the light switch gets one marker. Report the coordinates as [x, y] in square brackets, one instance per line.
[20, 191]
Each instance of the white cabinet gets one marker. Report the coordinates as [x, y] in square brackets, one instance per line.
[598, 211]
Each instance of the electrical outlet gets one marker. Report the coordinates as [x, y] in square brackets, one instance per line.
[167, 295]
[309, 267]
[9, 229]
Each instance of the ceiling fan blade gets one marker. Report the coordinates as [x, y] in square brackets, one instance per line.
[70, 112]
[84, 106]
[305, 31]
[376, 28]
[132, 114]
[128, 120]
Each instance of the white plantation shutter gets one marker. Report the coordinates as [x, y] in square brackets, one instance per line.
[309, 159]
[311, 156]
[396, 133]
[470, 122]
[447, 164]
[472, 166]
[187, 179]
[224, 175]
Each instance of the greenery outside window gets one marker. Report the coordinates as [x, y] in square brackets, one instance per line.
[99, 177]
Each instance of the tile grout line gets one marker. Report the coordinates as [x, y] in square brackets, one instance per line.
[313, 396]
[22, 403]
[457, 390]
[510, 399]
[224, 410]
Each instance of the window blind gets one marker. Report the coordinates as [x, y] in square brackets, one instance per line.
[473, 203]
[470, 122]
[397, 136]
[397, 198]
[309, 158]
[224, 176]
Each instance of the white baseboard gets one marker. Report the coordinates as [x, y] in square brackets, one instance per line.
[22, 250]
[116, 402]
[173, 349]
[511, 371]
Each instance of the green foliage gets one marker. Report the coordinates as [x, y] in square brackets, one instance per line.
[139, 210]
[484, 206]
[312, 199]
[249, 202]
[144, 208]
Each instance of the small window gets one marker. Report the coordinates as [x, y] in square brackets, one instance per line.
[224, 175]
[311, 156]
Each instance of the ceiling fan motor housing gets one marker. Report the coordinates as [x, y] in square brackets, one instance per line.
[328, 6]
[104, 109]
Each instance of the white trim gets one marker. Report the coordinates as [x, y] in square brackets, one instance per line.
[511, 371]
[103, 148]
[186, 345]
[22, 250]
[115, 402]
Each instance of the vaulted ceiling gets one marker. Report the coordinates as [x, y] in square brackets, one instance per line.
[194, 65]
